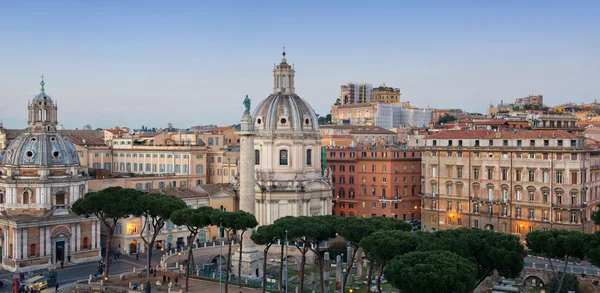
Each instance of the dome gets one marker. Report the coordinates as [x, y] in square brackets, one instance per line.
[40, 149]
[285, 112]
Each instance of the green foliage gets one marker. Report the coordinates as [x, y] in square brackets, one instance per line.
[265, 235]
[486, 249]
[337, 247]
[325, 119]
[384, 245]
[596, 215]
[559, 243]
[234, 221]
[570, 283]
[431, 272]
[159, 206]
[193, 218]
[446, 119]
[109, 203]
[309, 229]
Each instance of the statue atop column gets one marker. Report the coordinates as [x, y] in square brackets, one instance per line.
[247, 104]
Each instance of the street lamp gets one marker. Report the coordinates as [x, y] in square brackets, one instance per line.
[148, 247]
[342, 264]
[221, 256]
[286, 261]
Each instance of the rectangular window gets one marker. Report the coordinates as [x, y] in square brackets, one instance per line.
[574, 177]
[475, 173]
[546, 176]
[573, 143]
[475, 223]
[531, 214]
[531, 176]
[118, 229]
[519, 194]
[531, 196]
[138, 186]
[505, 174]
[559, 177]
[490, 173]
[518, 175]
[283, 157]
[459, 172]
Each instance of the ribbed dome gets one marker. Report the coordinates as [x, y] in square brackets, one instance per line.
[285, 112]
[40, 149]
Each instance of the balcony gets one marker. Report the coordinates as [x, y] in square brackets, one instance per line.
[61, 210]
[569, 206]
[432, 195]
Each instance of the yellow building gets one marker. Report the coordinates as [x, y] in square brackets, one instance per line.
[127, 238]
[510, 181]
[385, 95]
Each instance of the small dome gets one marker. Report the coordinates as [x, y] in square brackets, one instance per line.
[285, 112]
[40, 149]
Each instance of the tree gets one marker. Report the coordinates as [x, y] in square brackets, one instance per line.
[559, 244]
[570, 283]
[156, 210]
[308, 231]
[194, 220]
[338, 247]
[283, 225]
[234, 222]
[355, 229]
[431, 272]
[337, 102]
[383, 246]
[266, 235]
[488, 250]
[446, 119]
[108, 205]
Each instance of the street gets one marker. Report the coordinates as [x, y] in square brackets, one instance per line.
[74, 273]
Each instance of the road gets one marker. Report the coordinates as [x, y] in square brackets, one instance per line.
[577, 268]
[70, 274]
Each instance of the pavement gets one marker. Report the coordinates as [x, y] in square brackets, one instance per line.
[73, 273]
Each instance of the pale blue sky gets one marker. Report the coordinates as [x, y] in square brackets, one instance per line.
[132, 63]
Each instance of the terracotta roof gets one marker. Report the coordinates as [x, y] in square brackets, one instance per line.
[370, 130]
[510, 134]
[83, 139]
[490, 122]
[114, 131]
[180, 192]
[212, 189]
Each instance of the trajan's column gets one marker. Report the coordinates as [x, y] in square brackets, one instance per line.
[251, 257]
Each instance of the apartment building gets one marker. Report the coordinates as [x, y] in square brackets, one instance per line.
[512, 181]
[375, 182]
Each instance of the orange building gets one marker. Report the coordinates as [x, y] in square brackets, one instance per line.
[376, 182]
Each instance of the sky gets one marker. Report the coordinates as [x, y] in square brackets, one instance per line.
[132, 63]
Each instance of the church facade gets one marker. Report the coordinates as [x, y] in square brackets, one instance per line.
[287, 154]
[40, 178]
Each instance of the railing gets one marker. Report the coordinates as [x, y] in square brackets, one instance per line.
[569, 206]
[62, 210]
[574, 269]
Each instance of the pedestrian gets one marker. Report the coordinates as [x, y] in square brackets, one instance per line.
[137, 256]
[56, 287]
[164, 279]
[62, 264]
[176, 281]
[169, 280]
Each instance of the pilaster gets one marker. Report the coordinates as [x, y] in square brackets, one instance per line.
[25, 244]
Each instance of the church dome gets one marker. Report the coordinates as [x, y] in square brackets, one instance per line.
[40, 149]
[283, 111]
[41, 145]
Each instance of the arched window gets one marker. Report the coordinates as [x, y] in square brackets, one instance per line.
[342, 214]
[45, 115]
[256, 157]
[60, 198]
[210, 141]
[39, 115]
[283, 84]
[283, 157]
[202, 236]
[86, 243]
[351, 214]
[308, 157]
[26, 196]
[33, 249]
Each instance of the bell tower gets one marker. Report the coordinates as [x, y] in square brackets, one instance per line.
[42, 112]
[283, 77]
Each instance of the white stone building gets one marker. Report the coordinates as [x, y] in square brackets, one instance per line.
[287, 154]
